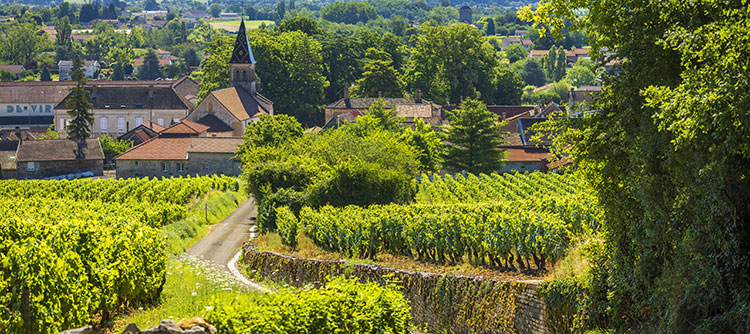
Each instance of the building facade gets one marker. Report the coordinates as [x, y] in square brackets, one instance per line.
[122, 106]
[90, 69]
[409, 109]
[36, 159]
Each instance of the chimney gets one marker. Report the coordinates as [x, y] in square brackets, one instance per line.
[20, 137]
[150, 91]
[380, 94]
[418, 95]
[347, 100]
[93, 91]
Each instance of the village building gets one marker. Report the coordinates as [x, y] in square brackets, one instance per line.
[507, 41]
[123, 105]
[465, 15]
[227, 112]
[180, 150]
[45, 158]
[142, 133]
[90, 69]
[8, 149]
[348, 108]
[30, 105]
[195, 14]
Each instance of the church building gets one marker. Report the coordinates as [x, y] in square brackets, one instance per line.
[228, 111]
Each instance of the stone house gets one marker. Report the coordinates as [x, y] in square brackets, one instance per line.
[90, 69]
[180, 150]
[409, 109]
[123, 105]
[228, 111]
[8, 149]
[36, 159]
[142, 133]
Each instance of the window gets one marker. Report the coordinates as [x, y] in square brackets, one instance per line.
[138, 121]
[120, 123]
[160, 121]
[123, 106]
[210, 106]
[103, 123]
[106, 106]
[175, 120]
[164, 167]
[31, 166]
[180, 166]
[204, 165]
[138, 106]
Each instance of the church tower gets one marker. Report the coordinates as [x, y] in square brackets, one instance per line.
[242, 64]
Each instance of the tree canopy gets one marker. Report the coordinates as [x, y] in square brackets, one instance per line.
[667, 153]
[473, 139]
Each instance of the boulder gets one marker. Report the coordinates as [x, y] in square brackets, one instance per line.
[82, 330]
[164, 327]
[131, 329]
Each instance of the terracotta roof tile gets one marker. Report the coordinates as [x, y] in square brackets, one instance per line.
[239, 102]
[215, 144]
[154, 126]
[158, 148]
[522, 154]
[57, 150]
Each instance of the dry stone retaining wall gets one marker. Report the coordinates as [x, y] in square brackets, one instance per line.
[456, 304]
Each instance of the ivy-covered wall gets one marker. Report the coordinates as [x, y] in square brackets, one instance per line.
[441, 303]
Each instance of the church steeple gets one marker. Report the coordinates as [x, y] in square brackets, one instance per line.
[242, 63]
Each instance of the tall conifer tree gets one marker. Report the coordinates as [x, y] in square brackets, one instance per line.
[79, 108]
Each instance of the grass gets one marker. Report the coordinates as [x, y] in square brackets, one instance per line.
[191, 287]
[306, 248]
[182, 234]
[234, 25]
[574, 263]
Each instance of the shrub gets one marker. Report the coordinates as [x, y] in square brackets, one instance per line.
[342, 306]
[267, 209]
[287, 224]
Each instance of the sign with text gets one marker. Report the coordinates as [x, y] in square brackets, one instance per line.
[8, 110]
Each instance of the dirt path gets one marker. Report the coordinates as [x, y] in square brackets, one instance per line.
[227, 236]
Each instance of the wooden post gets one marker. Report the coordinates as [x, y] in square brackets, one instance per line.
[26, 310]
[206, 210]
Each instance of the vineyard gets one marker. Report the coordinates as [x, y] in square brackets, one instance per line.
[495, 220]
[70, 250]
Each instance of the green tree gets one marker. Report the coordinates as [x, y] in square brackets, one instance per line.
[379, 78]
[515, 52]
[426, 143]
[342, 62]
[64, 31]
[508, 86]
[214, 9]
[216, 66]
[22, 42]
[280, 10]
[490, 29]
[532, 72]
[303, 24]
[349, 12]
[386, 119]
[113, 146]
[473, 139]
[88, 13]
[580, 75]
[51, 133]
[561, 64]
[6, 75]
[666, 153]
[273, 131]
[150, 70]
[79, 108]
[456, 55]
[45, 75]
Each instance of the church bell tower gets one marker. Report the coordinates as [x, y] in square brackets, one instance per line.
[242, 64]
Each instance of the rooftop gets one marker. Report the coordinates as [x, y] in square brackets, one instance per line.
[57, 150]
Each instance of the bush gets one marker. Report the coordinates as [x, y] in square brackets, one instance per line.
[268, 177]
[287, 224]
[267, 209]
[342, 306]
[361, 183]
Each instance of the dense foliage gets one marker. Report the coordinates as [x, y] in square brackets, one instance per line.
[472, 139]
[493, 220]
[667, 154]
[70, 250]
[341, 306]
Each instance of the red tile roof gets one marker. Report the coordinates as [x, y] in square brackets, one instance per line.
[186, 128]
[137, 62]
[523, 154]
[154, 126]
[158, 148]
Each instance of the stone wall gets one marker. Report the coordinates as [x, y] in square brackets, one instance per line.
[57, 168]
[456, 304]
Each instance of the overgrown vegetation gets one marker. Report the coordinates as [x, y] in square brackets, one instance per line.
[666, 154]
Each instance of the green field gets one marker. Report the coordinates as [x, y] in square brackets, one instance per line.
[233, 25]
